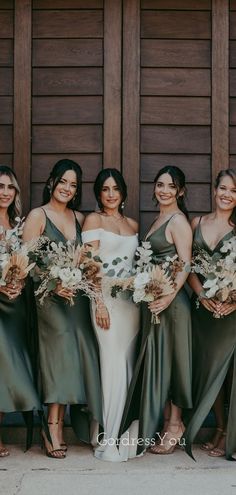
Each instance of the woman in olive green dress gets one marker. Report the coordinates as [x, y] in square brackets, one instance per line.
[214, 339]
[17, 388]
[161, 384]
[69, 366]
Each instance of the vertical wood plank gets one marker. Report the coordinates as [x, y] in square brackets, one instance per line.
[131, 103]
[112, 83]
[220, 86]
[22, 98]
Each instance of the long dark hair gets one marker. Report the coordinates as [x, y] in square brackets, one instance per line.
[178, 179]
[229, 172]
[14, 209]
[59, 169]
[119, 180]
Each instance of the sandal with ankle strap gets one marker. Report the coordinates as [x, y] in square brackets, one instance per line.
[207, 446]
[50, 451]
[166, 446]
[218, 451]
[4, 452]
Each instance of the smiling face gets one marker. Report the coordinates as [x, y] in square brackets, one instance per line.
[225, 194]
[166, 191]
[110, 195]
[66, 188]
[7, 191]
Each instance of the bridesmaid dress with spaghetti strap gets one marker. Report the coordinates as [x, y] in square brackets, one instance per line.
[17, 385]
[163, 369]
[69, 363]
[214, 349]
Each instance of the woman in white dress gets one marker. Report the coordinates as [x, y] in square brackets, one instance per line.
[116, 322]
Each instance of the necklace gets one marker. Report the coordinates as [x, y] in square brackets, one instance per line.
[118, 217]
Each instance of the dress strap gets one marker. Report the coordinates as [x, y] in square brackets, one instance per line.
[45, 214]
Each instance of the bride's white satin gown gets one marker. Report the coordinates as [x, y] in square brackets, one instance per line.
[117, 347]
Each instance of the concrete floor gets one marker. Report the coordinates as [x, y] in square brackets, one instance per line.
[32, 473]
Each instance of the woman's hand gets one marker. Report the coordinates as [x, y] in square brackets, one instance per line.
[12, 291]
[161, 303]
[227, 308]
[211, 305]
[64, 292]
[102, 317]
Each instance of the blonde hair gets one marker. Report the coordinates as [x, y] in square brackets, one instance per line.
[15, 208]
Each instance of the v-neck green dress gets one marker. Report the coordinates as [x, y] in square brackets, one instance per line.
[163, 369]
[214, 346]
[68, 351]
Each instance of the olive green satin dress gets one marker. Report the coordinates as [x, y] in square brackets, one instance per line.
[68, 354]
[214, 346]
[17, 385]
[163, 369]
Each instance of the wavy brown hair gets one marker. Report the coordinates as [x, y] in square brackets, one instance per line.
[228, 172]
[14, 209]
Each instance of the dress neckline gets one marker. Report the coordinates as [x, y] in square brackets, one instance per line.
[218, 243]
[114, 233]
[158, 228]
[60, 232]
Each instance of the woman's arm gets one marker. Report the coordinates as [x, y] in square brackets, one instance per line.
[34, 225]
[181, 234]
[93, 222]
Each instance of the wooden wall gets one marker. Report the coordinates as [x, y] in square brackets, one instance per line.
[134, 84]
[6, 82]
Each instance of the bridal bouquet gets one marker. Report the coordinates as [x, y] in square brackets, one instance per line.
[149, 280]
[14, 256]
[219, 272]
[65, 264]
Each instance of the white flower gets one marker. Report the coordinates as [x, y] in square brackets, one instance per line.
[54, 271]
[138, 295]
[141, 280]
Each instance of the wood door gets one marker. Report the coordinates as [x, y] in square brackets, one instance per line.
[128, 84]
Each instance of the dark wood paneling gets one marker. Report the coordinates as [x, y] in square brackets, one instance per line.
[6, 113]
[5, 139]
[42, 165]
[176, 4]
[6, 23]
[175, 53]
[232, 4]
[67, 139]
[175, 139]
[131, 102]
[232, 25]
[88, 199]
[160, 110]
[6, 4]
[197, 168]
[233, 140]
[233, 111]
[67, 53]
[6, 52]
[182, 82]
[233, 82]
[68, 24]
[232, 161]
[6, 159]
[220, 86]
[177, 24]
[232, 54]
[73, 81]
[67, 110]
[6, 81]
[22, 97]
[198, 197]
[67, 4]
[112, 83]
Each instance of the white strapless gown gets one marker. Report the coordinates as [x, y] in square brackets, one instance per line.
[117, 347]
